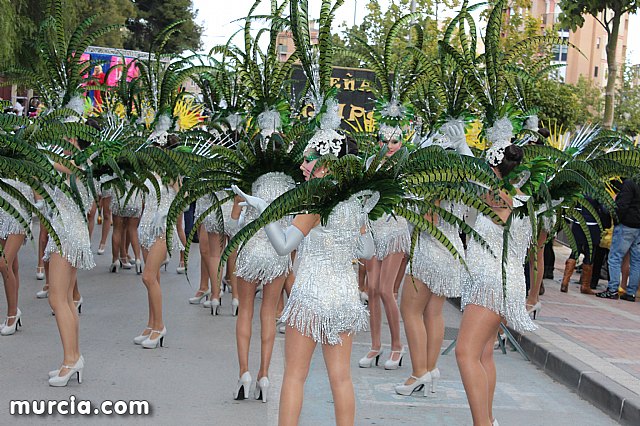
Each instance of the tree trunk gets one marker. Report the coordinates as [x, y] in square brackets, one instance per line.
[612, 67]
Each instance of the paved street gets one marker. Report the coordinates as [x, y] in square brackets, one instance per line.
[192, 379]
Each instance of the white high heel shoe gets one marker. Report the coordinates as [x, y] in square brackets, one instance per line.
[234, 307]
[8, 330]
[101, 249]
[113, 268]
[390, 364]
[125, 264]
[262, 388]
[215, 306]
[435, 376]
[59, 381]
[78, 304]
[419, 384]
[366, 362]
[181, 268]
[138, 266]
[196, 300]
[150, 343]
[141, 338]
[495, 423]
[43, 294]
[534, 310]
[54, 373]
[40, 273]
[242, 389]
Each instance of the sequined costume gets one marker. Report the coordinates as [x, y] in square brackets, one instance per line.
[258, 260]
[133, 208]
[325, 300]
[211, 222]
[146, 232]
[70, 223]
[484, 286]
[391, 235]
[8, 224]
[433, 264]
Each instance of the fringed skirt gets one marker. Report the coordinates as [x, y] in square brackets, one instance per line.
[148, 235]
[436, 267]
[8, 224]
[258, 261]
[70, 224]
[211, 222]
[391, 235]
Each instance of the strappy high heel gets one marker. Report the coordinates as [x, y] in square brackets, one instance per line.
[59, 381]
[196, 300]
[78, 304]
[141, 338]
[367, 362]
[8, 330]
[390, 364]
[419, 384]
[44, 293]
[125, 264]
[150, 343]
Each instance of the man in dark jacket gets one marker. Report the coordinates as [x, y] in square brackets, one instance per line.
[626, 238]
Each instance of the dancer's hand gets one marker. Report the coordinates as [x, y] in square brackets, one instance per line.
[255, 202]
[160, 221]
[454, 130]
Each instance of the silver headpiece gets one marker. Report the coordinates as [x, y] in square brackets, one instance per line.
[327, 140]
[499, 136]
[161, 130]
[388, 133]
[234, 121]
[269, 122]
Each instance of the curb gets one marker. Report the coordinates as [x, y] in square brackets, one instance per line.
[610, 397]
[592, 386]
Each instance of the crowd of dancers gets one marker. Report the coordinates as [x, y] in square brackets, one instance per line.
[299, 209]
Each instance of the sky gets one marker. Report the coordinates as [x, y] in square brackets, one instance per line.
[219, 24]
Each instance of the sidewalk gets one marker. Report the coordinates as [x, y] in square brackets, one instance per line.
[589, 344]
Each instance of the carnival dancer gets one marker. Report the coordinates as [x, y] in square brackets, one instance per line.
[12, 238]
[126, 218]
[484, 299]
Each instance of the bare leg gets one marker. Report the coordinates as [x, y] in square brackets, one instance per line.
[132, 233]
[247, 294]
[434, 323]
[91, 219]
[216, 242]
[400, 276]
[204, 262]
[270, 295]
[337, 359]
[490, 369]
[182, 236]
[478, 329]
[233, 279]
[62, 278]
[151, 279]
[375, 313]
[106, 219]
[43, 238]
[298, 350]
[388, 274]
[9, 269]
[117, 238]
[412, 306]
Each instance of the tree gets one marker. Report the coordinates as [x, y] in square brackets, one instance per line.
[628, 102]
[155, 15]
[590, 100]
[608, 13]
[558, 103]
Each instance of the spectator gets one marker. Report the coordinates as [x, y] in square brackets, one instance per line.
[626, 237]
[18, 108]
[583, 247]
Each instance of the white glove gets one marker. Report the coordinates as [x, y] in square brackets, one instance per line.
[40, 205]
[284, 242]
[257, 203]
[159, 222]
[454, 130]
[366, 246]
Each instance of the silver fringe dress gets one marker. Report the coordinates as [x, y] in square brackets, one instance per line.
[325, 300]
[133, 208]
[433, 264]
[70, 223]
[484, 286]
[211, 221]
[258, 260]
[391, 235]
[8, 224]
[146, 231]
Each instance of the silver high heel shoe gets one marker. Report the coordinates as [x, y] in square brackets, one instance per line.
[366, 362]
[262, 388]
[242, 389]
[43, 294]
[196, 300]
[78, 304]
[534, 310]
[8, 330]
[419, 384]
[141, 338]
[54, 373]
[150, 343]
[215, 306]
[435, 376]
[59, 381]
[390, 364]
[234, 307]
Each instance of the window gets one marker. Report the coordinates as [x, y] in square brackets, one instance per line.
[595, 71]
[560, 53]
